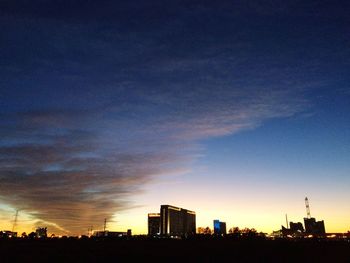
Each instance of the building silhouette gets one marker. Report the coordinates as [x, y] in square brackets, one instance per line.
[112, 234]
[175, 221]
[219, 228]
[295, 230]
[314, 227]
[153, 224]
[296, 227]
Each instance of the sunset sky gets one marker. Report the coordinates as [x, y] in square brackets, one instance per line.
[237, 110]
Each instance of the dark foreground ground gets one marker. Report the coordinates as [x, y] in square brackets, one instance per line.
[173, 251]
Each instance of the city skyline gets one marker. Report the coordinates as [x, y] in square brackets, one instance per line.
[154, 221]
[236, 110]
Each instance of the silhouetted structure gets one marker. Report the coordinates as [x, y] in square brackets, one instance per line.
[111, 233]
[100, 233]
[8, 234]
[219, 228]
[175, 221]
[153, 223]
[296, 227]
[284, 232]
[314, 227]
[295, 230]
[311, 228]
[308, 213]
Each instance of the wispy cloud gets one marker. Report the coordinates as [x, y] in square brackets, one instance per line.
[76, 169]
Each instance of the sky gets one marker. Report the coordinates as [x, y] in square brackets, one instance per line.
[237, 110]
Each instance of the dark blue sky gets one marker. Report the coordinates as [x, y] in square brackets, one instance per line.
[101, 98]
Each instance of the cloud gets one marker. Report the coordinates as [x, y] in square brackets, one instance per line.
[76, 169]
[74, 179]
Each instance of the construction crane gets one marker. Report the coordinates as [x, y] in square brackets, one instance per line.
[307, 208]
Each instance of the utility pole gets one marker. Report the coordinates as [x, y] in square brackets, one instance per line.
[307, 208]
[104, 225]
[15, 221]
[287, 221]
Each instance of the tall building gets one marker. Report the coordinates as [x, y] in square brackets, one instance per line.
[312, 226]
[153, 224]
[177, 221]
[219, 228]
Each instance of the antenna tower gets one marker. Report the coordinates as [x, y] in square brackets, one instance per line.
[307, 208]
[15, 221]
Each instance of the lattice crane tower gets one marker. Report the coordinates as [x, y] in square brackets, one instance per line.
[307, 208]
